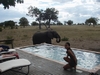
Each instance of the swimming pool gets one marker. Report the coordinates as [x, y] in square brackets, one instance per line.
[86, 60]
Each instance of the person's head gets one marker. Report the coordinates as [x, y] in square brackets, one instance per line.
[67, 45]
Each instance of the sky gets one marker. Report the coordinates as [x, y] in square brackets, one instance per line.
[76, 10]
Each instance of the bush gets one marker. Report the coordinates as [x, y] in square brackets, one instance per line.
[9, 37]
[65, 39]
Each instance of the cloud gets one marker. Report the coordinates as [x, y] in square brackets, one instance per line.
[98, 0]
[76, 10]
[62, 1]
[8, 14]
[83, 10]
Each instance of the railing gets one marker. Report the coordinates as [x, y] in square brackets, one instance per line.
[8, 41]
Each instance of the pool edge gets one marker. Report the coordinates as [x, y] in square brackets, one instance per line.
[95, 69]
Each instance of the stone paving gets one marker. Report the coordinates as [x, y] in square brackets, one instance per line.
[42, 66]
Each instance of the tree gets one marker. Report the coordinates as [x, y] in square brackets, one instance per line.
[51, 14]
[69, 22]
[1, 24]
[7, 3]
[43, 15]
[91, 20]
[23, 22]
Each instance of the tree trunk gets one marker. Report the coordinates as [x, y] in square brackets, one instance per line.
[39, 24]
[49, 23]
[93, 25]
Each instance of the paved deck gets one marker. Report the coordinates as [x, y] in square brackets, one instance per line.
[42, 66]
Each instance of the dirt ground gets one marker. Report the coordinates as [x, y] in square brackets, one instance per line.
[79, 37]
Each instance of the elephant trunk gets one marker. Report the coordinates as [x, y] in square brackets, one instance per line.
[58, 40]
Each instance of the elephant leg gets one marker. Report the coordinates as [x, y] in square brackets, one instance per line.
[48, 41]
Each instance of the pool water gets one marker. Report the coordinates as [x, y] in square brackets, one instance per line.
[86, 60]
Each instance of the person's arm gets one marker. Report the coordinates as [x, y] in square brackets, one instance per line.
[67, 54]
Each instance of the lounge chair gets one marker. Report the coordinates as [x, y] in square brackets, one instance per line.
[16, 63]
[7, 58]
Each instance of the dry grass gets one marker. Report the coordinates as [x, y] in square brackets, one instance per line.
[84, 37]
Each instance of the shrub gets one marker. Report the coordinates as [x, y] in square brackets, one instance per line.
[0, 29]
[65, 39]
[25, 35]
[9, 37]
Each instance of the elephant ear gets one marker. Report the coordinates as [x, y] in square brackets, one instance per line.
[50, 35]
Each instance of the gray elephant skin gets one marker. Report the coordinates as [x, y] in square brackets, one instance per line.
[45, 37]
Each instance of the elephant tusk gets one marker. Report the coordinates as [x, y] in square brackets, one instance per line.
[58, 40]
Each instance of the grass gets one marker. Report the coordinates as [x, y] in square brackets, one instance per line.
[84, 37]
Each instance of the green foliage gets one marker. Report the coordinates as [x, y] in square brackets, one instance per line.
[0, 29]
[65, 39]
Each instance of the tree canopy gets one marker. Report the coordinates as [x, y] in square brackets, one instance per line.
[34, 23]
[35, 12]
[23, 22]
[9, 23]
[69, 22]
[7, 3]
[51, 14]
[92, 20]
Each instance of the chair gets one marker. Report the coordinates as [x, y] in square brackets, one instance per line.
[7, 58]
[12, 64]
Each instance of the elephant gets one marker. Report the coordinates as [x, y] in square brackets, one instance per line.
[45, 37]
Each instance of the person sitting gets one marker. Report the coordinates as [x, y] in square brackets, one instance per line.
[4, 48]
[9, 55]
[70, 58]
